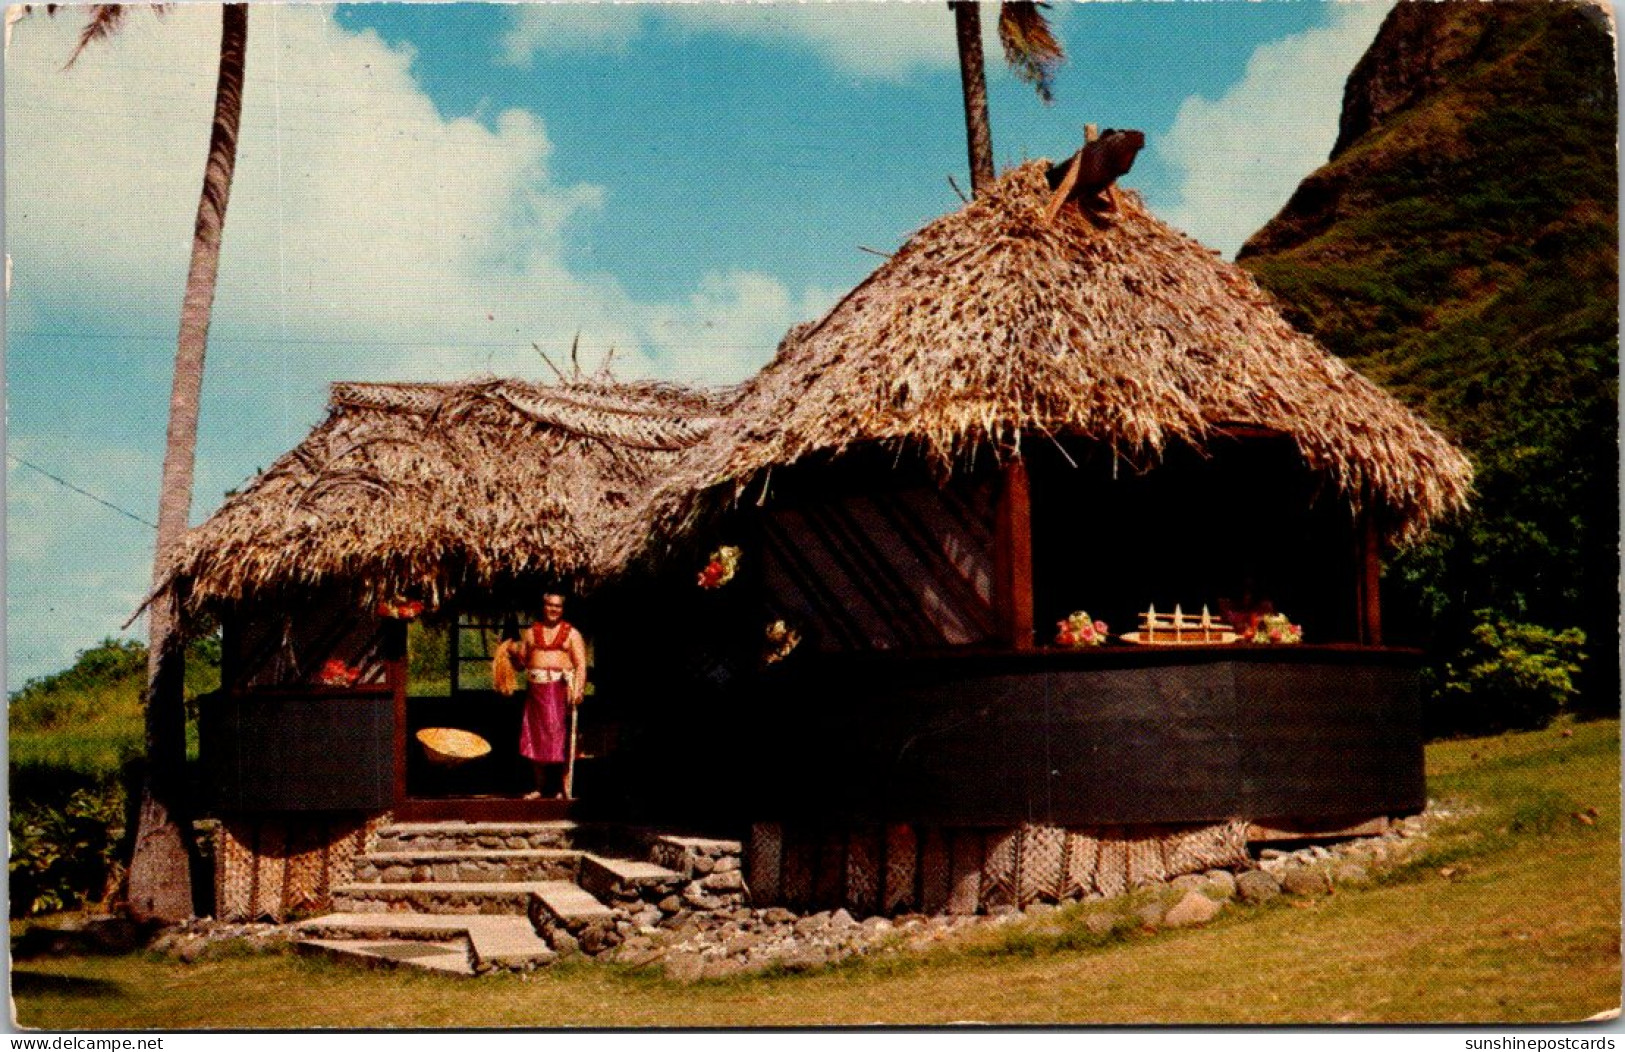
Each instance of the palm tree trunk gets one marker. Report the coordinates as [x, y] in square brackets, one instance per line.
[973, 78]
[160, 870]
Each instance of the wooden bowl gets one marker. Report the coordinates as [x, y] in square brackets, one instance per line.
[448, 746]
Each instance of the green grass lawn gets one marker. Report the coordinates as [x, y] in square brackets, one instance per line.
[1511, 915]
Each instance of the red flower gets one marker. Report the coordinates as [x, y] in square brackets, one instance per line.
[1100, 628]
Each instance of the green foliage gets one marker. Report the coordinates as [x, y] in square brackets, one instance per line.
[63, 843]
[1470, 265]
[1513, 675]
[51, 701]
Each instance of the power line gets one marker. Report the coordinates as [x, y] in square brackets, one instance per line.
[82, 492]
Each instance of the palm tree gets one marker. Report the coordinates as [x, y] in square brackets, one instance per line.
[160, 884]
[1031, 50]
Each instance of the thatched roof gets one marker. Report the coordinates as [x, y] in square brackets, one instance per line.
[995, 321]
[421, 487]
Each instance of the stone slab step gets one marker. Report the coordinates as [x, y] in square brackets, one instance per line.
[406, 866]
[433, 896]
[626, 880]
[442, 957]
[571, 905]
[461, 836]
[489, 943]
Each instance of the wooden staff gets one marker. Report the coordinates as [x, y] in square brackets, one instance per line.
[570, 757]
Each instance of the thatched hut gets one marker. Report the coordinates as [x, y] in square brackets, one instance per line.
[456, 503]
[1030, 410]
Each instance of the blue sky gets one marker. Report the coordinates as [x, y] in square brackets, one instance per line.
[424, 191]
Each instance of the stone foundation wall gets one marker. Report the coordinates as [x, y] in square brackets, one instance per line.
[269, 867]
[911, 869]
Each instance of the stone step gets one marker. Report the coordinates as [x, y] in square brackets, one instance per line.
[433, 896]
[406, 866]
[473, 836]
[443, 957]
[693, 856]
[621, 880]
[571, 919]
[490, 943]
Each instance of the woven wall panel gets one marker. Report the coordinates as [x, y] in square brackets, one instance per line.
[829, 872]
[936, 871]
[1000, 865]
[796, 872]
[1145, 864]
[965, 878]
[270, 870]
[1043, 861]
[902, 869]
[1207, 847]
[864, 872]
[1111, 864]
[306, 887]
[765, 862]
[233, 870]
[1082, 852]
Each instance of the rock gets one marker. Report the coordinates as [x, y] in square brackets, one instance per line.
[1040, 909]
[812, 924]
[877, 925]
[727, 864]
[1305, 880]
[684, 967]
[720, 968]
[670, 904]
[1255, 885]
[1194, 909]
[1188, 882]
[841, 920]
[564, 944]
[778, 915]
[1151, 914]
[1100, 923]
[703, 865]
[731, 880]
[191, 949]
[1271, 852]
[445, 872]
[1350, 873]
[1221, 882]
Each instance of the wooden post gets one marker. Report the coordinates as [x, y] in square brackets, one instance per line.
[1369, 582]
[395, 665]
[1013, 556]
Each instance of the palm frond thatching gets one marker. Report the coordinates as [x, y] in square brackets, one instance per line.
[995, 321]
[425, 487]
[1030, 48]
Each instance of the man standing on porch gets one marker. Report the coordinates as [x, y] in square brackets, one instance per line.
[553, 657]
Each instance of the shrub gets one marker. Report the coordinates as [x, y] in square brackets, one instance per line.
[63, 848]
[1512, 675]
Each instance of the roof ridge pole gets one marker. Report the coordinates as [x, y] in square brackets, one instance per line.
[973, 79]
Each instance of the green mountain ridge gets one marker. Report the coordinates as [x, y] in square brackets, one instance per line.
[1460, 248]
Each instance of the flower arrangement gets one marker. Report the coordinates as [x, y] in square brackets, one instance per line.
[781, 639]
[721, 569]
[337, 674]
[1078, 630]
[400, 609]
[1275, 628]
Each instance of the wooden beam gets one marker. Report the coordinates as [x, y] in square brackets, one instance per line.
[1370, 582]
[1277, 829]
[395, 665]
[1013, 556]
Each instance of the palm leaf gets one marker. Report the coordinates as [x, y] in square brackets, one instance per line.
[1030, 47]
[103, 22]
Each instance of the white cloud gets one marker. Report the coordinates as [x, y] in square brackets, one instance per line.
[360, 219]
[367, 237]
[872, 41]
[1238, 158]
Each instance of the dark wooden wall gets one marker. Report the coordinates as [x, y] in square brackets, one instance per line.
[883, 569]
[1126, 737]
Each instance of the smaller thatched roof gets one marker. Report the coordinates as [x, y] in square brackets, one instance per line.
[426, 487]
[997, 321]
